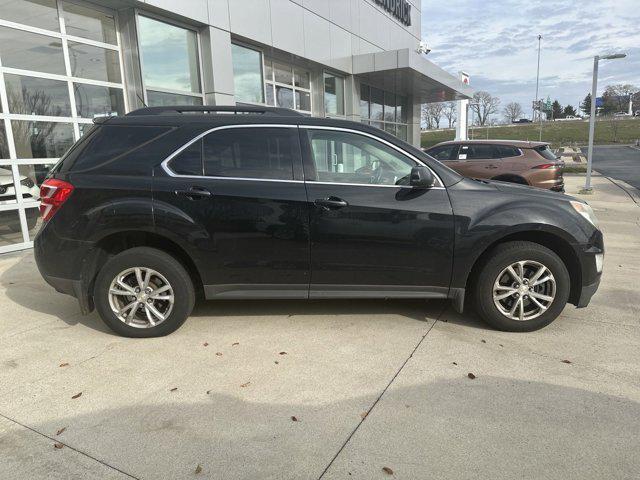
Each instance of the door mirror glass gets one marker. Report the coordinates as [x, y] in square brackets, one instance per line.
[421, 177]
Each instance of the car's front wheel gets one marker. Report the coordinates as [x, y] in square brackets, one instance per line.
[143, 292]
[522, 286]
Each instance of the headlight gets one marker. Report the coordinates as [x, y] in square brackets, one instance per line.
[586, 211]
[26, 182]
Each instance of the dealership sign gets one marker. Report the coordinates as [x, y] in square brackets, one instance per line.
[401, 9]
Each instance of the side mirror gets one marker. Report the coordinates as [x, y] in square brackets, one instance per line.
[421, 177]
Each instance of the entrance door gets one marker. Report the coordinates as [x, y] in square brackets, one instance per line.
[370, 231]
[236, 199]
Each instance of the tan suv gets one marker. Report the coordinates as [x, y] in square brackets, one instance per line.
[527, 163]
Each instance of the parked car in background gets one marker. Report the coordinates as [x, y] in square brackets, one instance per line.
[567, 118]
[168, 203]
[29, 190]
[526, 163]
[522, 120]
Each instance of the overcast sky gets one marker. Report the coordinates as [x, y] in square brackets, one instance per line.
[496, 43]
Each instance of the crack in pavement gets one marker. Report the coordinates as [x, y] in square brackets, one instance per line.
[384, 390]
[57, 440]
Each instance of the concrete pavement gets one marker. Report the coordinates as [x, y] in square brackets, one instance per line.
[620, 162]
[371, 384]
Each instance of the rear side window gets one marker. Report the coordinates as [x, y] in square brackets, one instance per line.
[110, 142]
[505, 151]
[443, 153]
[262, 153]
[546, 152]
[476, 152]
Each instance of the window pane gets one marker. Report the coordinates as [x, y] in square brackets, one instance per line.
[7, 192]
[86, 128]
[377, 99]
[282, 73]
[364, 101]
[303, 101]
[95, 63]
[301, 78]
[37, 13]
[333, 95]
[41, 139]
[247, 74]
[268, 70]
[31, 177]
[85, 22]
[4, 147]
[189, 161]
[402, 132]
[401, 112]
[284, 97]
[96, 101]
[390, 128]
[389, 107]
[251, 153]
[341, 157]
[161, 99]
[37, 96]
[269, 92]
[169, 56]
[31, 51]
[10, 230]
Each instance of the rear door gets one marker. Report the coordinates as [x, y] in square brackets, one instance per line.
[236, 197]
[478, 160]
[371, 233]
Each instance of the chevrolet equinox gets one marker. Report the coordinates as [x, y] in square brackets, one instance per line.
[149, 211]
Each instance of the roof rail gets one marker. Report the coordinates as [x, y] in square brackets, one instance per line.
[239, 108]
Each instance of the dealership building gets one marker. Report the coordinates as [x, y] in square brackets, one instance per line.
[65, 62]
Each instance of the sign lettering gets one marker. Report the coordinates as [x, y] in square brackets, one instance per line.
[401, 9]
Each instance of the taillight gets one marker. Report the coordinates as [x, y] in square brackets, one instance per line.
[545, 166]
[53, 193]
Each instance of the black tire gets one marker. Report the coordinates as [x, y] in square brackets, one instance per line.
[161, 262]
[500, 258]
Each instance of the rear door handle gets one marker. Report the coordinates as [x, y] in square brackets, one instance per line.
[330, 203]
[194, 193]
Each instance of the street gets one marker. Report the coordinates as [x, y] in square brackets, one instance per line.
[618, 162]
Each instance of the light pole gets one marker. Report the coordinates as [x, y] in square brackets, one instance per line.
[533, 113]
[592, 118]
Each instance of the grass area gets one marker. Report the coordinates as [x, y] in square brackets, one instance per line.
[557, 133]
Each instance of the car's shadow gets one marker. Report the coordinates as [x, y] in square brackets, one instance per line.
[24, 286]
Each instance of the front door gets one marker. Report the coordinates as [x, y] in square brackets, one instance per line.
[371, 233]
[236, 199]
[479, 160]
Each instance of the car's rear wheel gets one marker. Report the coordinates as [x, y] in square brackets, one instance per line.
[521, 286]
[143, 292]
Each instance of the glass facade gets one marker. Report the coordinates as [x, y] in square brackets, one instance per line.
[384, 110]
[247, 74]
[333, 94]
[60, 67]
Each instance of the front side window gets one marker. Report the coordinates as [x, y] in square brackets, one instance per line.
[169, 57]
[344, 157]
[247, 74]
[443, 153]
[476, 152]
[260, 153]
[333, 94]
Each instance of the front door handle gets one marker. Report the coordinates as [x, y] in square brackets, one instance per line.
[330, 203]
[194, 193]
[491, 166]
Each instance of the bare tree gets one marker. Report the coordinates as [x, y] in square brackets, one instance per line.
[615, 124]
[432, 114]
[449, 111]
[618, 95]
[512, 111]
[484, 105]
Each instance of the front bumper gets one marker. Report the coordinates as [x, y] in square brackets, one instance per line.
[587, 292]
[591, 263]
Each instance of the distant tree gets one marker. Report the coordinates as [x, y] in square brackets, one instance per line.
[614, 122]
[618, 96]
[556, 109]
[512, 112]
[484, 105]
[569, 111]
[585, 106]
[432, 114]
[449, 112]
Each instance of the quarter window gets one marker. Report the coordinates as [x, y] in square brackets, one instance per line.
[261, 153]
[343, 157]
[505, 151]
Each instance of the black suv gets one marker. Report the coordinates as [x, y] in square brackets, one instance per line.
[151, 210]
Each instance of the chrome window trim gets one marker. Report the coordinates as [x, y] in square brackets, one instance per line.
[165, 163]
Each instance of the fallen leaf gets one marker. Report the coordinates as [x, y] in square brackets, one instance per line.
[61, 430]
[205, 344]
[471, 375]
[387, 470]
[173, 389]
[294, 418]
[198, 469]
[235, 343]
[501, 345]
[566, 361]
[76, 395]
[218, 354]
[58, 445]
[364, 415]
[454, 363]
[483, 341]
[245, 384]
[208, 392]
[64, 364]
[276, 362]
[282, 353]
